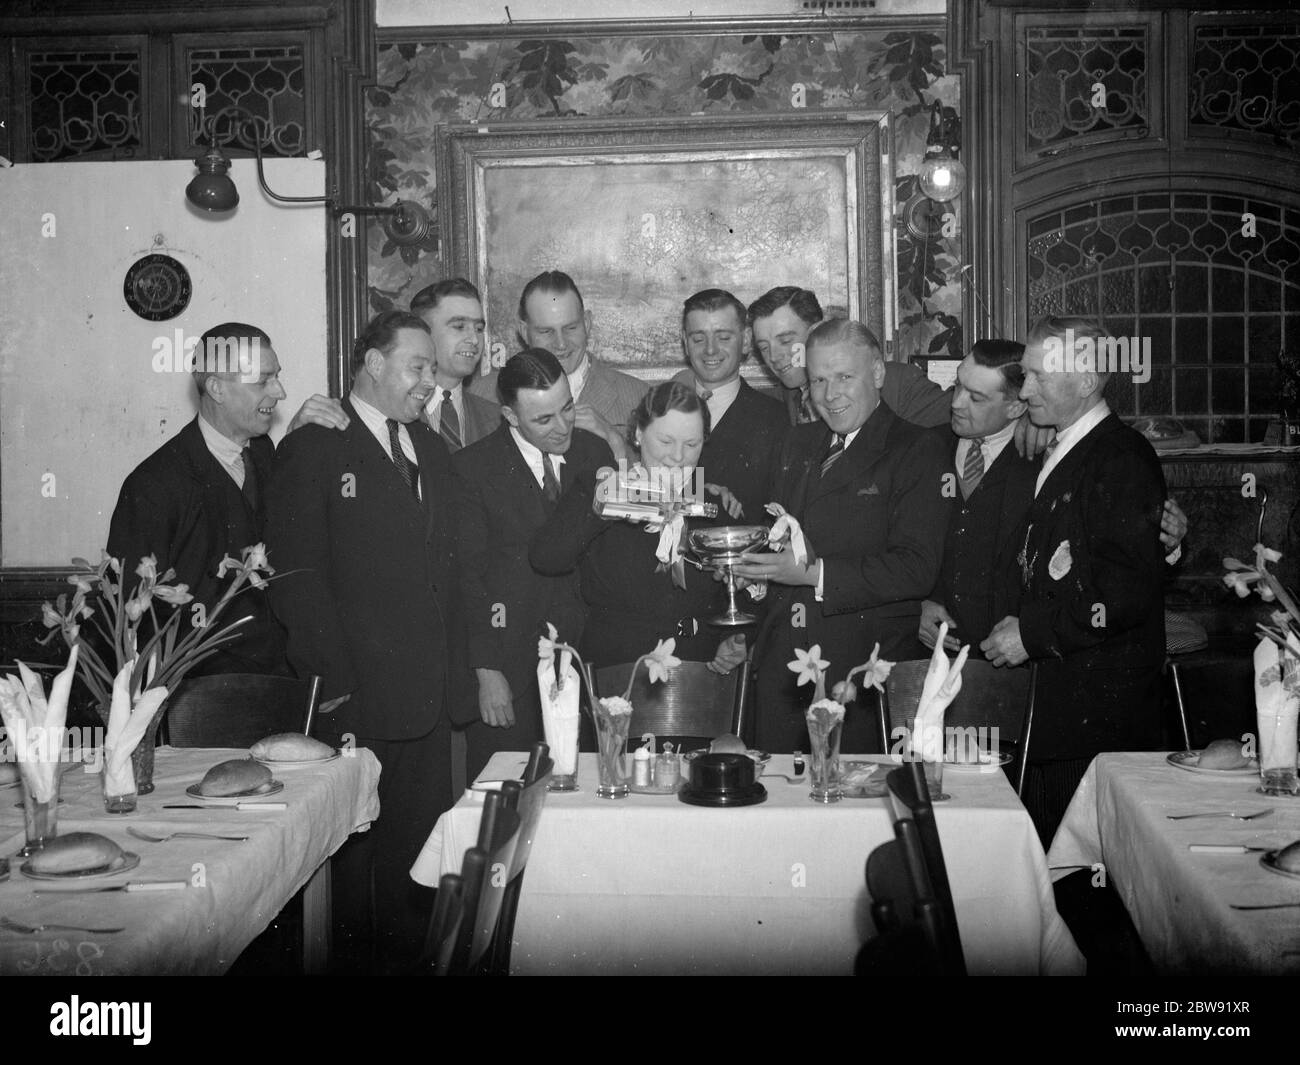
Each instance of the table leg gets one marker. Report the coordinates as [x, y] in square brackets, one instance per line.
[316, 922]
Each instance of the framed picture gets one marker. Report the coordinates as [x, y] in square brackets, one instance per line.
[941, 369]
[643, 213]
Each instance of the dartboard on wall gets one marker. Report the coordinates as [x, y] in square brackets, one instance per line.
[157, 287]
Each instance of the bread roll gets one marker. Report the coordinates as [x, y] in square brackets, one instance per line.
[728, 744]
[1288, 858]
[1223, 754]
[234, 777]
[75, 853]
[291, 747]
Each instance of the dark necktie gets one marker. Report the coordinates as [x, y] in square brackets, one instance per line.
[550, 483]
[408, 470]
[706, 395]
[807, 412]
[833, 452]
[252, 490]
[974, 468]
[449, 423]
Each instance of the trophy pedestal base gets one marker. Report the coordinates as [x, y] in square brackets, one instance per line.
[732, 618]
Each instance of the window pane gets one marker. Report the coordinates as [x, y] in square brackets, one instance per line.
[1229, 289]
[1229, 391]
[1192, 390]
[1189, 341]
[1227, 342]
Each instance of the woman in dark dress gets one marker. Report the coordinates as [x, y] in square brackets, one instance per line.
[630, 604]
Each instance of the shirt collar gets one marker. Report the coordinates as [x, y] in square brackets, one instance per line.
[435, 400]
[1087, 421]
[531, 452]
[221, 446]
[578, 379]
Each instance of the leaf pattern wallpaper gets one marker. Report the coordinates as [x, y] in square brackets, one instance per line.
[422, 83]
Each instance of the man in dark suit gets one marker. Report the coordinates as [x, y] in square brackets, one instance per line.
[867, 488]
[453, 312]
[1091, 611]
[360, 530]
[552, 315]
[510, 483]
[783, 317]
[202, 495]
[746, 427]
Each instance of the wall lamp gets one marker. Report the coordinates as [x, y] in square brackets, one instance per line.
[212, 189]
[942, 178]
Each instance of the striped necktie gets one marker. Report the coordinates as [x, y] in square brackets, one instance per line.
[974, 468]
[832, 453]
[550, 483]
[449, 422]
[408, 470]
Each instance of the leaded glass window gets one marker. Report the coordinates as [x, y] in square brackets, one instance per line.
[83, 103]
[265, 82]
[1247, 79]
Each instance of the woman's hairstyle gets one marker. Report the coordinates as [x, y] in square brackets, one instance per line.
[665, 397]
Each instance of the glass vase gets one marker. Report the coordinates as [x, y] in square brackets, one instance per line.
[611, 739]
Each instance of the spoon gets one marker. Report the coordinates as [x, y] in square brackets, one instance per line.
[31, 929]
[131, 831]
[1239, 817]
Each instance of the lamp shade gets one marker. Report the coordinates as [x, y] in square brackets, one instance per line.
[212, 188]
[942, 178]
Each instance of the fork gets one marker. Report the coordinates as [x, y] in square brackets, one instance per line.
[132, 831]
[1239, 817]
[31, 929]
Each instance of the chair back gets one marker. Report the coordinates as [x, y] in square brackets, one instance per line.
[694, 701]
[448, 912]
[910, 799]
[483, 872]
[990, 698]
[531, 799]
[238, 709]
[909, 940]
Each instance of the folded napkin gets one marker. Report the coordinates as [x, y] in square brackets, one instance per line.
[672, 541]
[942, 683]
[1277, 703]
[787, 525]
[560, 711]
[128, 721]
[36, 726]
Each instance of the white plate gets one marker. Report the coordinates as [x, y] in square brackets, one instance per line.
[278, 763]
[1269, 861]
[128, 861]
[234, 800]
[1188, 759]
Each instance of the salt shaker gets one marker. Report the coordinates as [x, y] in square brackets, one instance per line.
[666, 768]
[641, 767]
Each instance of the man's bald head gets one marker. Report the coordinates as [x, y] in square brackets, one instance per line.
[845, 371]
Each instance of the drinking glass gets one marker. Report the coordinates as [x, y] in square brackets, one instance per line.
[40, 819]
[1277, 748]
[824, 761]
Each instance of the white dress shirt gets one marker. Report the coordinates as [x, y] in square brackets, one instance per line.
[533, 456]
[1068, 438]
[433, 408]
[821, 566]
[721, 400]
[993, 446]
[377, 422]
[229, 454]
[578, 379]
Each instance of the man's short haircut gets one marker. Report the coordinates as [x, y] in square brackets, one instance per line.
[534, 368]
[1052, 326]
[219, 349]
[381, 334]
[714, 299]
[664, 397]
[556, 282]
[802, 301]
[431, 295]
[838, 330]
[1004, 355]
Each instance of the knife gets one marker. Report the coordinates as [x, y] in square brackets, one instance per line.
[236, 806]
[1223, 848]
[134, 885]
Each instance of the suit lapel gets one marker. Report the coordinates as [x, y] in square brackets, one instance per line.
[859, 456]
[596, 389]
[363, 443]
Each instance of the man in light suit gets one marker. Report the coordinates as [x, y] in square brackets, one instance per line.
[553, 316]
[360, 528]
[507, 496]
[867, 488]
[453, 312]
[1090, 562]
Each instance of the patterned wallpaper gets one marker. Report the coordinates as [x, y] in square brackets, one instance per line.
[422, 83]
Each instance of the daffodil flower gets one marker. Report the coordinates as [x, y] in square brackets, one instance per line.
[79, 581]
[1240, 580]
[1265, 554]
[176, 595]
[615, 706]
[148, 569]
[661, 661]
[548, 644]
[50, 617]
[138, 604]
[228, 564]
[808, 665]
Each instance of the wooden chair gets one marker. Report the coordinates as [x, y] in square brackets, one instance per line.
[989, 698]
[238, 709]
[459, 947]
[910, 934]
[910, 798]
[693, 702]
[448, 913]
[532, 797]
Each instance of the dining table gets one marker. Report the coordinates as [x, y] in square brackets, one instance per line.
[648, 884]
[1177, 846]
[230, 890]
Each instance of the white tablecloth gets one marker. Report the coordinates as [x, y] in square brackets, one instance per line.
[648, 884]
[235, 890]
[1180, 901]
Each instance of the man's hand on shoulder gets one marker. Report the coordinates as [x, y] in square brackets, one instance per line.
[1031, 439]
[320, 410]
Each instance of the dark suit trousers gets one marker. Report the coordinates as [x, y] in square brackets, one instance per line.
[483, 741]
[375, 900]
